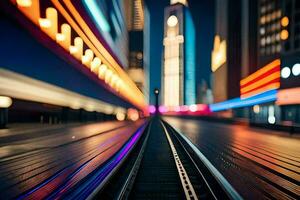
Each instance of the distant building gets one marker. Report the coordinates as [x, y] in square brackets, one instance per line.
[226, 55]
[258, 42]
[178, 71]
[135, 25]
[204, 93]
[277, 31]
[147, 56]
[110, 21]
[289, 95]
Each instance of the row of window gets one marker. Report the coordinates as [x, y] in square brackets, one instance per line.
[270, 39]
[269, 50]
[266, 18]
[270, 28]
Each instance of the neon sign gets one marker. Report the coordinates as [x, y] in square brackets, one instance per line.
[265, 97]
[265, 79]
[218, 55]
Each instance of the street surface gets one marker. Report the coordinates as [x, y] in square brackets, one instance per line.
[258, 163]
[54, 159]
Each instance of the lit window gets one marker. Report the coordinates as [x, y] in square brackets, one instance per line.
[285, 21]
[273, 38]
[273, 27]
[267, 19]
[278, 48]
[274, 15]
[263, 20]
[284, 34]
[277, 37]
[278, 13]
[263, 42]
[268, 40]
[262, 31]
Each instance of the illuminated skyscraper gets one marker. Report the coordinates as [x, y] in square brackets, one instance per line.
[178, 74]
[135, 25]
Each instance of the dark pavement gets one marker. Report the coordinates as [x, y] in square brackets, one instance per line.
[58, 157]
[258, 163]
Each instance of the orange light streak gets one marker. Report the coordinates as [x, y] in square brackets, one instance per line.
[32, 11]
[130, 89]
[261, 90]
[261, 71]
[261, 82]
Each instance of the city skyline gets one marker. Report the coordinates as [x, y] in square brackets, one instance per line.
[144, 99]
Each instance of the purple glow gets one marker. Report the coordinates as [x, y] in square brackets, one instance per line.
[151, 109]
[162, 109]
[101, 174]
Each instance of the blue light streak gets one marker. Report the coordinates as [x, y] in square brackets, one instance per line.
[97, 14]
[190, 60]
[265, 97]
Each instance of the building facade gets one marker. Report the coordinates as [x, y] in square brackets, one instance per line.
[109, 19]
[178, 71]
[226, 55]
[135, 25]
[289, 95]
[269, 68]
[82, 48]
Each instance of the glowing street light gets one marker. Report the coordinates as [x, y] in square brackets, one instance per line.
[285, 72]
[193, 108]
[120, 116]
[5, 102]
[256, 109]
[296, 69]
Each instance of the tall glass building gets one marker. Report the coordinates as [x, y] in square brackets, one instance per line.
[178, 72]
[110, 19]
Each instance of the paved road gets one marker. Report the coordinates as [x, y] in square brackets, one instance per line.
[258, 163]
[55, 160]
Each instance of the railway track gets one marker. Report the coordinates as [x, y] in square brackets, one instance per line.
[165, 165]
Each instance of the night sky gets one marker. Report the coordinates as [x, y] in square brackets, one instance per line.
[203, 16]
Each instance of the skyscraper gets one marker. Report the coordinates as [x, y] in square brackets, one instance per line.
[178, 71]
[257, 41]
[135, 25]
[226, 54]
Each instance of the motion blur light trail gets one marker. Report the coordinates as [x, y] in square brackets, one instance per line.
[63, 162]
